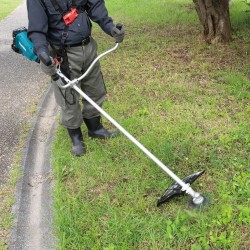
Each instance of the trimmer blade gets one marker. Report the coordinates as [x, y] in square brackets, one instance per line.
[196, 205]
[175, 189]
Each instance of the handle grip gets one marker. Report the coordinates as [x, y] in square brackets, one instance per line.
[119, 26]
[46, 60]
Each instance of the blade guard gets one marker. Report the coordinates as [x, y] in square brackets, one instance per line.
[176, 190]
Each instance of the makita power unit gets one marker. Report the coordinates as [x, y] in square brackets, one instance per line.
[22, 44]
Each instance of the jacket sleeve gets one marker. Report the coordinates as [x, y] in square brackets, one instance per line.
[38, 25]
[98, 13]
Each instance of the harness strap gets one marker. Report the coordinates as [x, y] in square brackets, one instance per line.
[64, 34]
[61, 53]
[62, 12]
[58, 7]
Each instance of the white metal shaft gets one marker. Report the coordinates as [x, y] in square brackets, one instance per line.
[71, 83]
[185, 186]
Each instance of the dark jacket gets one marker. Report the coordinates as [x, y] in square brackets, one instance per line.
[46, 24]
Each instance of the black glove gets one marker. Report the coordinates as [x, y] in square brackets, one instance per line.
[118, 33]
[49, 70]
[48, 65]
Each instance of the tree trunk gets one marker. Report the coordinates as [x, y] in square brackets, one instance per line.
[214, 16]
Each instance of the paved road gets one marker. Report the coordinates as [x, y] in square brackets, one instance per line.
[21, 86]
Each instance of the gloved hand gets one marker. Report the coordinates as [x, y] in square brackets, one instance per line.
[49, 70]
[118, 34]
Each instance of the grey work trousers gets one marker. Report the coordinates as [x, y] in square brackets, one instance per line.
[79, 59]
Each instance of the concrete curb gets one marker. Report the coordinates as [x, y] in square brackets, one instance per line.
[33, 207]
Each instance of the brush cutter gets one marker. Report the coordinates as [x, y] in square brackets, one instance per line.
[180, 186]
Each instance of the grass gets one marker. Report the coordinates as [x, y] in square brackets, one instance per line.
[188, 103]
[7, 7]
[7, 201]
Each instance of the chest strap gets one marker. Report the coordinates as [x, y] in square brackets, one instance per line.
[80, 9]
[58, 7]
[67, 16]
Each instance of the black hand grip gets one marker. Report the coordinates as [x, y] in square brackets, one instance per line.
[119, 26]
[55, 77]
[46, 60]
[44, 57]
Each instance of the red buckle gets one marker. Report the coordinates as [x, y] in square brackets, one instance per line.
[57, 62]
[70, 17]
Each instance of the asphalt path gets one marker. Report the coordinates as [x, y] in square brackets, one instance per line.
[23, 88]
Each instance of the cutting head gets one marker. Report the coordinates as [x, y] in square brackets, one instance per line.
[175, 189]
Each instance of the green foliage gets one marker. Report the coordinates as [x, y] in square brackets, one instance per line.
[239, 14]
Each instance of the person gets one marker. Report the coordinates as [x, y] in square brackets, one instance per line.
[62, 29]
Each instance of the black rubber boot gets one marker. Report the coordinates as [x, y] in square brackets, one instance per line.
[96, 129]
[78, 147]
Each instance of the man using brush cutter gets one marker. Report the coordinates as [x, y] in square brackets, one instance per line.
[62, 29]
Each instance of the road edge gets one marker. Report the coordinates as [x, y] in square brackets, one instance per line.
[18, 239]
